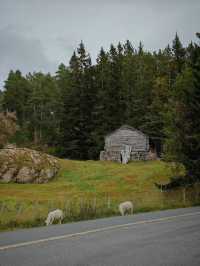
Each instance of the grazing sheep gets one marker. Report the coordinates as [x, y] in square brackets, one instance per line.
[54, 215]
[126, 207]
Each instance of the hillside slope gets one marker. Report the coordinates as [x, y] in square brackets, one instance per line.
[87, 189]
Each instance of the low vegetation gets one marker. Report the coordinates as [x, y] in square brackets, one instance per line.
[91, 189]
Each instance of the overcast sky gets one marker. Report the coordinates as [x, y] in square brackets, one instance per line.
[39, 35]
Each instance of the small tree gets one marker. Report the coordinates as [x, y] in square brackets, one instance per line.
[8, 127]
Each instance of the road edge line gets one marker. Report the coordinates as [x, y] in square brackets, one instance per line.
[43, 240]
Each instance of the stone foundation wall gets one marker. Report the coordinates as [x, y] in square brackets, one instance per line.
[116, 156]
[139, 156]
[110, 156]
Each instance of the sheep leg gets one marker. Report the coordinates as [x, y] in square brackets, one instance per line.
[131, 210]
[121, 211]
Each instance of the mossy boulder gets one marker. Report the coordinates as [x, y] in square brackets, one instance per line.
[22, 165]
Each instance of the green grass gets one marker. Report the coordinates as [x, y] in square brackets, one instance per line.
[90, 189]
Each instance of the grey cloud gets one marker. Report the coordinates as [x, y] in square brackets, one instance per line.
[19, 52]
[38, 35]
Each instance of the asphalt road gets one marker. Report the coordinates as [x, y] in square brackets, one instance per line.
[158, 238]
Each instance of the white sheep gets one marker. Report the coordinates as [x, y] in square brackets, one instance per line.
[54, 215]
[126, 207]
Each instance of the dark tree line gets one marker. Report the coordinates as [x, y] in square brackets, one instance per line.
[72, 111]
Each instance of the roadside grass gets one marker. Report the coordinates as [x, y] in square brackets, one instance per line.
[91, 189]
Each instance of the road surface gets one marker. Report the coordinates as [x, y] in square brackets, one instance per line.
[169, 237]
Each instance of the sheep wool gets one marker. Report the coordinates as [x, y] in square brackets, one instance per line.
[126, 208]
[54, 215]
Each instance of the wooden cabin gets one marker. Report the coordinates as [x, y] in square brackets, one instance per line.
[124, 137]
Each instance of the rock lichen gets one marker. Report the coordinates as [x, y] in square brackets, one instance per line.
[22, 165]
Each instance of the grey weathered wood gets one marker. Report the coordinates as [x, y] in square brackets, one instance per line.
[126, 154]
[116, 144]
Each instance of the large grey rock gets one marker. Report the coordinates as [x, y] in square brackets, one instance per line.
[8, 175]
[22, 165]
[25, 175]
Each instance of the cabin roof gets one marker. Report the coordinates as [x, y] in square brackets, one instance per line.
[124, 127]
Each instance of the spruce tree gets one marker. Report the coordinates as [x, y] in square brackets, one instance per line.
[44, 106]
[16, 95]
[183, 120]
[178, 54]
[101, 118]
[78, 107]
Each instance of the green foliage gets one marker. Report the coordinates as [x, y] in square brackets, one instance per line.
[8, 127]
[1, 101]
[37, 102]
[179, 54]
[78, 101]
[182, 125]
[16, 95]
[71, 112]
[44, 107]
[175, 129]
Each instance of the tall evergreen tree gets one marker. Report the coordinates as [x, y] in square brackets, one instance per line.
[63, 78]
[183, 124]
[78, 106]
[144, 72]
[44, 106]
[1, 100]
[128, 48]
[178, 54]
[140, 48]
[103, 97]
[115, 107]
[16, 95]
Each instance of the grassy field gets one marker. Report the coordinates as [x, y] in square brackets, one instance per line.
[90, 189]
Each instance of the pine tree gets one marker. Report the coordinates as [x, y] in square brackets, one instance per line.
[140, 48]
[8, 127]
[128, 48]
[44, 106]
[179, 55]
[115, 97]
[183, 124]
[144, 74]
[78, 107]
[1, 100]
[63, 78]
[101, 118]
[192, 149]
[16, 94]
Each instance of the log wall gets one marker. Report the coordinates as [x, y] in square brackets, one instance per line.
[137, 140]
[116, 142]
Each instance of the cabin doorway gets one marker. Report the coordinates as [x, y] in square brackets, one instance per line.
[155, 146]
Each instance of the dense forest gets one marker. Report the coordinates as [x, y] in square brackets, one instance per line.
[69, 113]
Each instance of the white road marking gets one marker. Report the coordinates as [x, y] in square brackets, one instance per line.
[125, 226]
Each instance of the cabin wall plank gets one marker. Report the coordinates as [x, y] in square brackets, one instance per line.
[116, 142]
